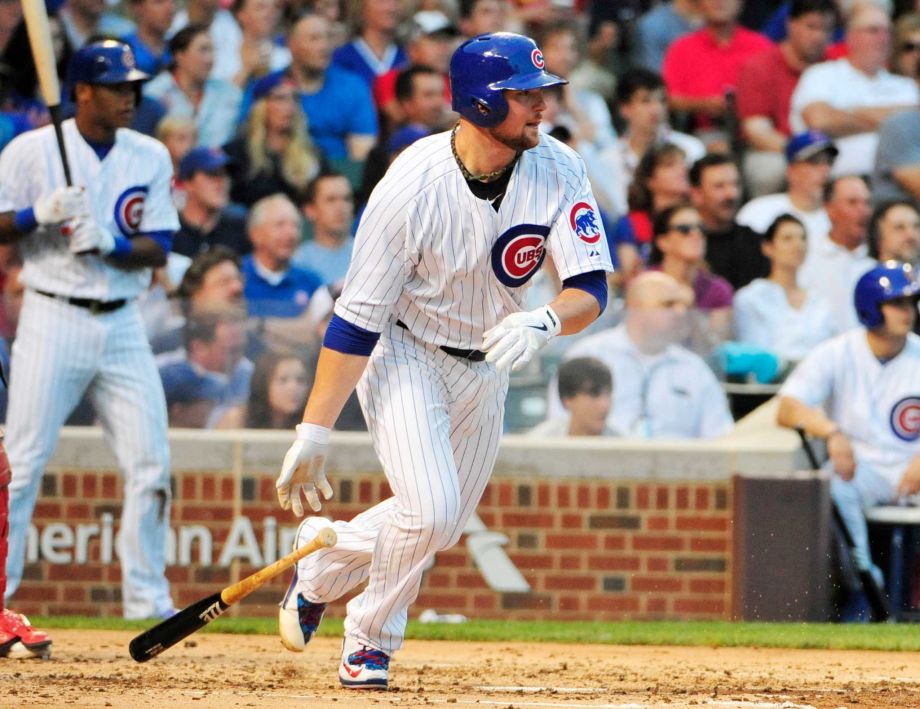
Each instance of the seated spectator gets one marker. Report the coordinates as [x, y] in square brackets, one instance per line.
[585, 388]
[595, 70]
[226, 36]
[204, 221]
[291, 301]
[834, 265]
[894, 233]
[483, 17]
[273, 152]
[643, 106]
[148, 40]
[329, 206]
[432, 41]
[663, 390]
[660, 27]
[896, 175]
[733, 250]
[215, 344]
[661, 180]
[858, 392]
[373, 51]
[278, 393]
[849, 98]
[212, 280]
[700, 67]
[809, 157]
[84, 19]
[188, 90]
[191, 396]
[776, 313]
[179, 134]
[765, 86]
[259, 52]
[679, 250]
[905, 49]
[338, 105]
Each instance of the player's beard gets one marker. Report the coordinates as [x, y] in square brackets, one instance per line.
[519, 141]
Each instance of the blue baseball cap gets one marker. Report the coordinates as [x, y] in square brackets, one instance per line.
[183, 385]
[202, 159]
[806, 145]
[264, 86]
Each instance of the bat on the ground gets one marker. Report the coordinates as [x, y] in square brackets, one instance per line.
[878, 601]
[194, 617]
[36, 17]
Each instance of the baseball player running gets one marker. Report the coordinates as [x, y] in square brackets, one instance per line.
[869, 381]
[87, 254]
[428, 327]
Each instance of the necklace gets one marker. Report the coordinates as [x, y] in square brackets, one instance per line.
[469, 176]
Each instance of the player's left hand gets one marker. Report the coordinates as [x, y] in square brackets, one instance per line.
[303, 471]
[86, 236]
[514, 341]
[910, 480]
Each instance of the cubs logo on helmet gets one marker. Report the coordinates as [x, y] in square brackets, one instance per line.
[905, 419]
[536, 56]
[584, 223]
[519, 253]
[129, 209]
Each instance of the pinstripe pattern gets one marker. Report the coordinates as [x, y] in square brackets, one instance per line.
[62, 351]
[449, 266]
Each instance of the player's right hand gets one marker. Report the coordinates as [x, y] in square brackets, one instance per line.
[303, 471]
[59, 206]
[841, 454]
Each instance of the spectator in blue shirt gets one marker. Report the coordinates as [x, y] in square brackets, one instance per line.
[338, 104]
[373, 51]
[329, 205]
[290, 301]
[153, 18]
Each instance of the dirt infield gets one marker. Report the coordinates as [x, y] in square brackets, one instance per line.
[93, 669]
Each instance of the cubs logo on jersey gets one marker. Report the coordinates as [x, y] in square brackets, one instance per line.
[583, 221]
[905, 419]
[129, 209]
[519, 253]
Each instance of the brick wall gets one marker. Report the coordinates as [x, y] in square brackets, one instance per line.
[590, 549]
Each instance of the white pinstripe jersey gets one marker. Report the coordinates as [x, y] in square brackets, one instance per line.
[129, 192]
[446, 263]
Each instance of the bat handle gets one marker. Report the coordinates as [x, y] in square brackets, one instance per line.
[55, 112]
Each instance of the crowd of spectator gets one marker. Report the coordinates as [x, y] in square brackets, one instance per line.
[751, 162]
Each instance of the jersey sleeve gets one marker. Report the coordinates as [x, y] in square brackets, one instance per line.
[812, 381]
[159, 211]
[380, 262]
[577, 241]
[16, 169]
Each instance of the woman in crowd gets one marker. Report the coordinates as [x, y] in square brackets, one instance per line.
[775, 313]
[905, 47]
[679, 249]
[278, 392]
[273, 152]
[187, 89]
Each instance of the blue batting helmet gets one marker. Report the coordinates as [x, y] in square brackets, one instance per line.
[107, 61]
[882, 284]
[482, 67]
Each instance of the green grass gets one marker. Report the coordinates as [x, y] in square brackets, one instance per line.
[707, 634]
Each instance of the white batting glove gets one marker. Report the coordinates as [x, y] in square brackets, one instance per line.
[515, 340]
[86, 236]
[59, 206]
[304, 470]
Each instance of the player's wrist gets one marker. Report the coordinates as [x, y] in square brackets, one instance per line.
[121, 248]
[25, 220]
[312, 432]
[549, 318]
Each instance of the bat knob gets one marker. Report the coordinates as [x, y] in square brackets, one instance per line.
[327, 537]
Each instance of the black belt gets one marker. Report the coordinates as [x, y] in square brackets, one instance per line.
[94, 306]
[471, 355]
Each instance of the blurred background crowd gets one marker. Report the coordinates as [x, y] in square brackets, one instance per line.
[751, 162]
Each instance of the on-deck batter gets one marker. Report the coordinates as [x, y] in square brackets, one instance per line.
[445, 251]
[80, 330]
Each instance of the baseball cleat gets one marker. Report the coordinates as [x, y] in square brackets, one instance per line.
[298, 618]
[19, 640]
[363, 667]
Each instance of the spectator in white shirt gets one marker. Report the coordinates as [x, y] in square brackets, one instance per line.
[776, 313]
[849, 98]
[832, 268]
[809, 157]
[663, 390]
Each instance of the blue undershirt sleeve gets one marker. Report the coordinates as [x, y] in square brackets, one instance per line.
[593, 282]
[346, 338]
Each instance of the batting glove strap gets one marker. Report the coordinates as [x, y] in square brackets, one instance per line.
[312, 432]
[514, 341]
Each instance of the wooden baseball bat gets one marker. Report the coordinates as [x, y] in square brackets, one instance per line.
[36, 17]
[194, 617]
